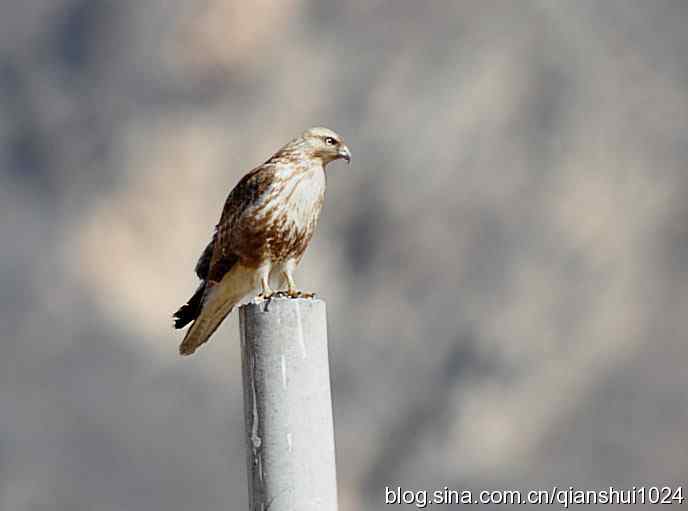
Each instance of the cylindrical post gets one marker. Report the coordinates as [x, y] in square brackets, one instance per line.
[287, 405]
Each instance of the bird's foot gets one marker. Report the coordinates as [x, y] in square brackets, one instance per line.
[268, 296]
[295, 293]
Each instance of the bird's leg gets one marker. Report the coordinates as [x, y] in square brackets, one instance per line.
[267, 291]
[292, 291]
[264, 273]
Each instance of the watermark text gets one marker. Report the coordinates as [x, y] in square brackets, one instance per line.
[564, 497]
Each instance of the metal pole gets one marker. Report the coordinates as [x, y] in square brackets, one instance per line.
[287, 405]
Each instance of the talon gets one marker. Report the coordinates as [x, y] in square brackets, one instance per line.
[300, 294]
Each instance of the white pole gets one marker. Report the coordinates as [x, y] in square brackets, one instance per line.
[287, 405]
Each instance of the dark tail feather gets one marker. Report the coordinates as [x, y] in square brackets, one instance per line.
[191, 309]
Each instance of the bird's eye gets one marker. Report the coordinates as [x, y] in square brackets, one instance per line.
[330, 141]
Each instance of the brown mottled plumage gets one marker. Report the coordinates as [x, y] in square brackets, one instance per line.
[267, 222]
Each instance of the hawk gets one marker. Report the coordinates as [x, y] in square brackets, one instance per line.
[266, 224]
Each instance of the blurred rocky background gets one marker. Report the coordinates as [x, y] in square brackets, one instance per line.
[504, 262]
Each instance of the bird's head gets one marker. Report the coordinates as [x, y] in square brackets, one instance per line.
[325, 144]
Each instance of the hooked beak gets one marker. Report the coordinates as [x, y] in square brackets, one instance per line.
[344, 153]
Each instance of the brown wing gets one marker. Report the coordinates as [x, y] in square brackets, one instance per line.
[218, 257]
[241, 200]
[192, 308]
[216, 260]
[203, 264]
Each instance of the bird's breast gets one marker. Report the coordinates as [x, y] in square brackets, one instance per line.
[290, 214]
[303, 198]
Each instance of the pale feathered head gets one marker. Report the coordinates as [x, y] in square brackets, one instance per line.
[320, 143]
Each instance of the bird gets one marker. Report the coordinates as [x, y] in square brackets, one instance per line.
[266, 224]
